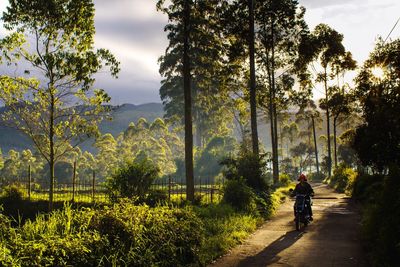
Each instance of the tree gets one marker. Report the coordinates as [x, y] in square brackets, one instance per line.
[300, 150]
[308, 112]
[290, 132]
[1, 160]
[106, 156]
[208, 163]
[11, 167]
[324, 46]
[281, 27]
[208, 75]
[252, 90]
[55, 105]
[377, 139]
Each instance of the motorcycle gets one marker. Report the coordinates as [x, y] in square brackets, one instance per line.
[301, 210]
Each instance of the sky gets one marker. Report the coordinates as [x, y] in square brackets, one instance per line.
[133, 31]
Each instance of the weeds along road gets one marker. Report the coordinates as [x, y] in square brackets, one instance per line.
[331, 240]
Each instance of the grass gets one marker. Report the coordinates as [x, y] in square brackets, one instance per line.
[218, 226]
[226, 228]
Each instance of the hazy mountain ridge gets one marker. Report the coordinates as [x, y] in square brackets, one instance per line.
[121, 117]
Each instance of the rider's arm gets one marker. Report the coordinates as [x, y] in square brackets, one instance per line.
[311, 191]
[294, 192]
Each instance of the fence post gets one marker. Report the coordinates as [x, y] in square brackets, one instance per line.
[169, 188]
[93, 185]
[73, 182]
[29, 181]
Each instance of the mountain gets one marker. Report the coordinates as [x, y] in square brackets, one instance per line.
[121, 115]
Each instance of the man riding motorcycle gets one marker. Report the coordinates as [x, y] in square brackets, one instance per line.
[304, 188]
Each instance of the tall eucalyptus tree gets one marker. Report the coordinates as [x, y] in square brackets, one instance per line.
[53, 101]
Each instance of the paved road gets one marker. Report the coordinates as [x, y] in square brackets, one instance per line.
[331, 240]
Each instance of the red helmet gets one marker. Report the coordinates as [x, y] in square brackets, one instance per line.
[302, 177]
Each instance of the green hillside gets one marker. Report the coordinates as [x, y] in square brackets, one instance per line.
[121, 117]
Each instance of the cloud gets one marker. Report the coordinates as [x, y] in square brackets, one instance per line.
[134, 32]
[326, 3]
[359, 21]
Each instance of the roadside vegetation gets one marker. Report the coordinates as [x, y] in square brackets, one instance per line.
[132, 233]
[217, 75]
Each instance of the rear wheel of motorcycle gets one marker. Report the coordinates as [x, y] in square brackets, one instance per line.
[297, 223]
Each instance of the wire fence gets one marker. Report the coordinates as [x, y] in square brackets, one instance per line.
[174, 190]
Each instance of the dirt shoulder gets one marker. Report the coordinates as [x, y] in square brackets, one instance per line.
[331, 240]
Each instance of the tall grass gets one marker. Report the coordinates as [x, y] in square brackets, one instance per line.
[128, 235]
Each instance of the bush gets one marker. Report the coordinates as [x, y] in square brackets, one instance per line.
[132, 180]
[239, 195]
[343, 179]
[156, 198]
[143, 236]
[367, 188]
[13, 193]
[249, 167]
[381, 222]
[124, 235]
[284, 179]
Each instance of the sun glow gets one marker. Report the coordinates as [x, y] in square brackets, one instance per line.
[378, 72]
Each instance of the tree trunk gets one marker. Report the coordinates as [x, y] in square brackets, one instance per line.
[199, 134]
[315, 145]
[52, 156]
[188, 107]
[253, 101]
[275, 156]
[275, 150]
[328, 128]
[334, 141]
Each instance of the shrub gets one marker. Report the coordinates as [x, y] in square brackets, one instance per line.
[123, 235]
[367, 188]
[249, 167]
[343, 179]
[284, 179]
[156, 197]
[13, 193]
[143, 236]
[381, 222]
[239, 195]
[133, 179]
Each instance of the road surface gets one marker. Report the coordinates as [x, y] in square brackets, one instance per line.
[331, 240]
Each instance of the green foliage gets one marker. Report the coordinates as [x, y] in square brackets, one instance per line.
[55, 106]
[128, 235]
[13, 193]
[381, 221]
[143, 236]
[249, 167]
[132, 180]
[377, 139]
[367, 187]
[239, 195]
[207, 57]
[156, 198]
[284, 179]
[124, 235]
[155, 141]
[343, 179]
[224, 229]
[208, 163]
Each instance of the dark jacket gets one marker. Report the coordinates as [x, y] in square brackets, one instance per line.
[303, 189]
